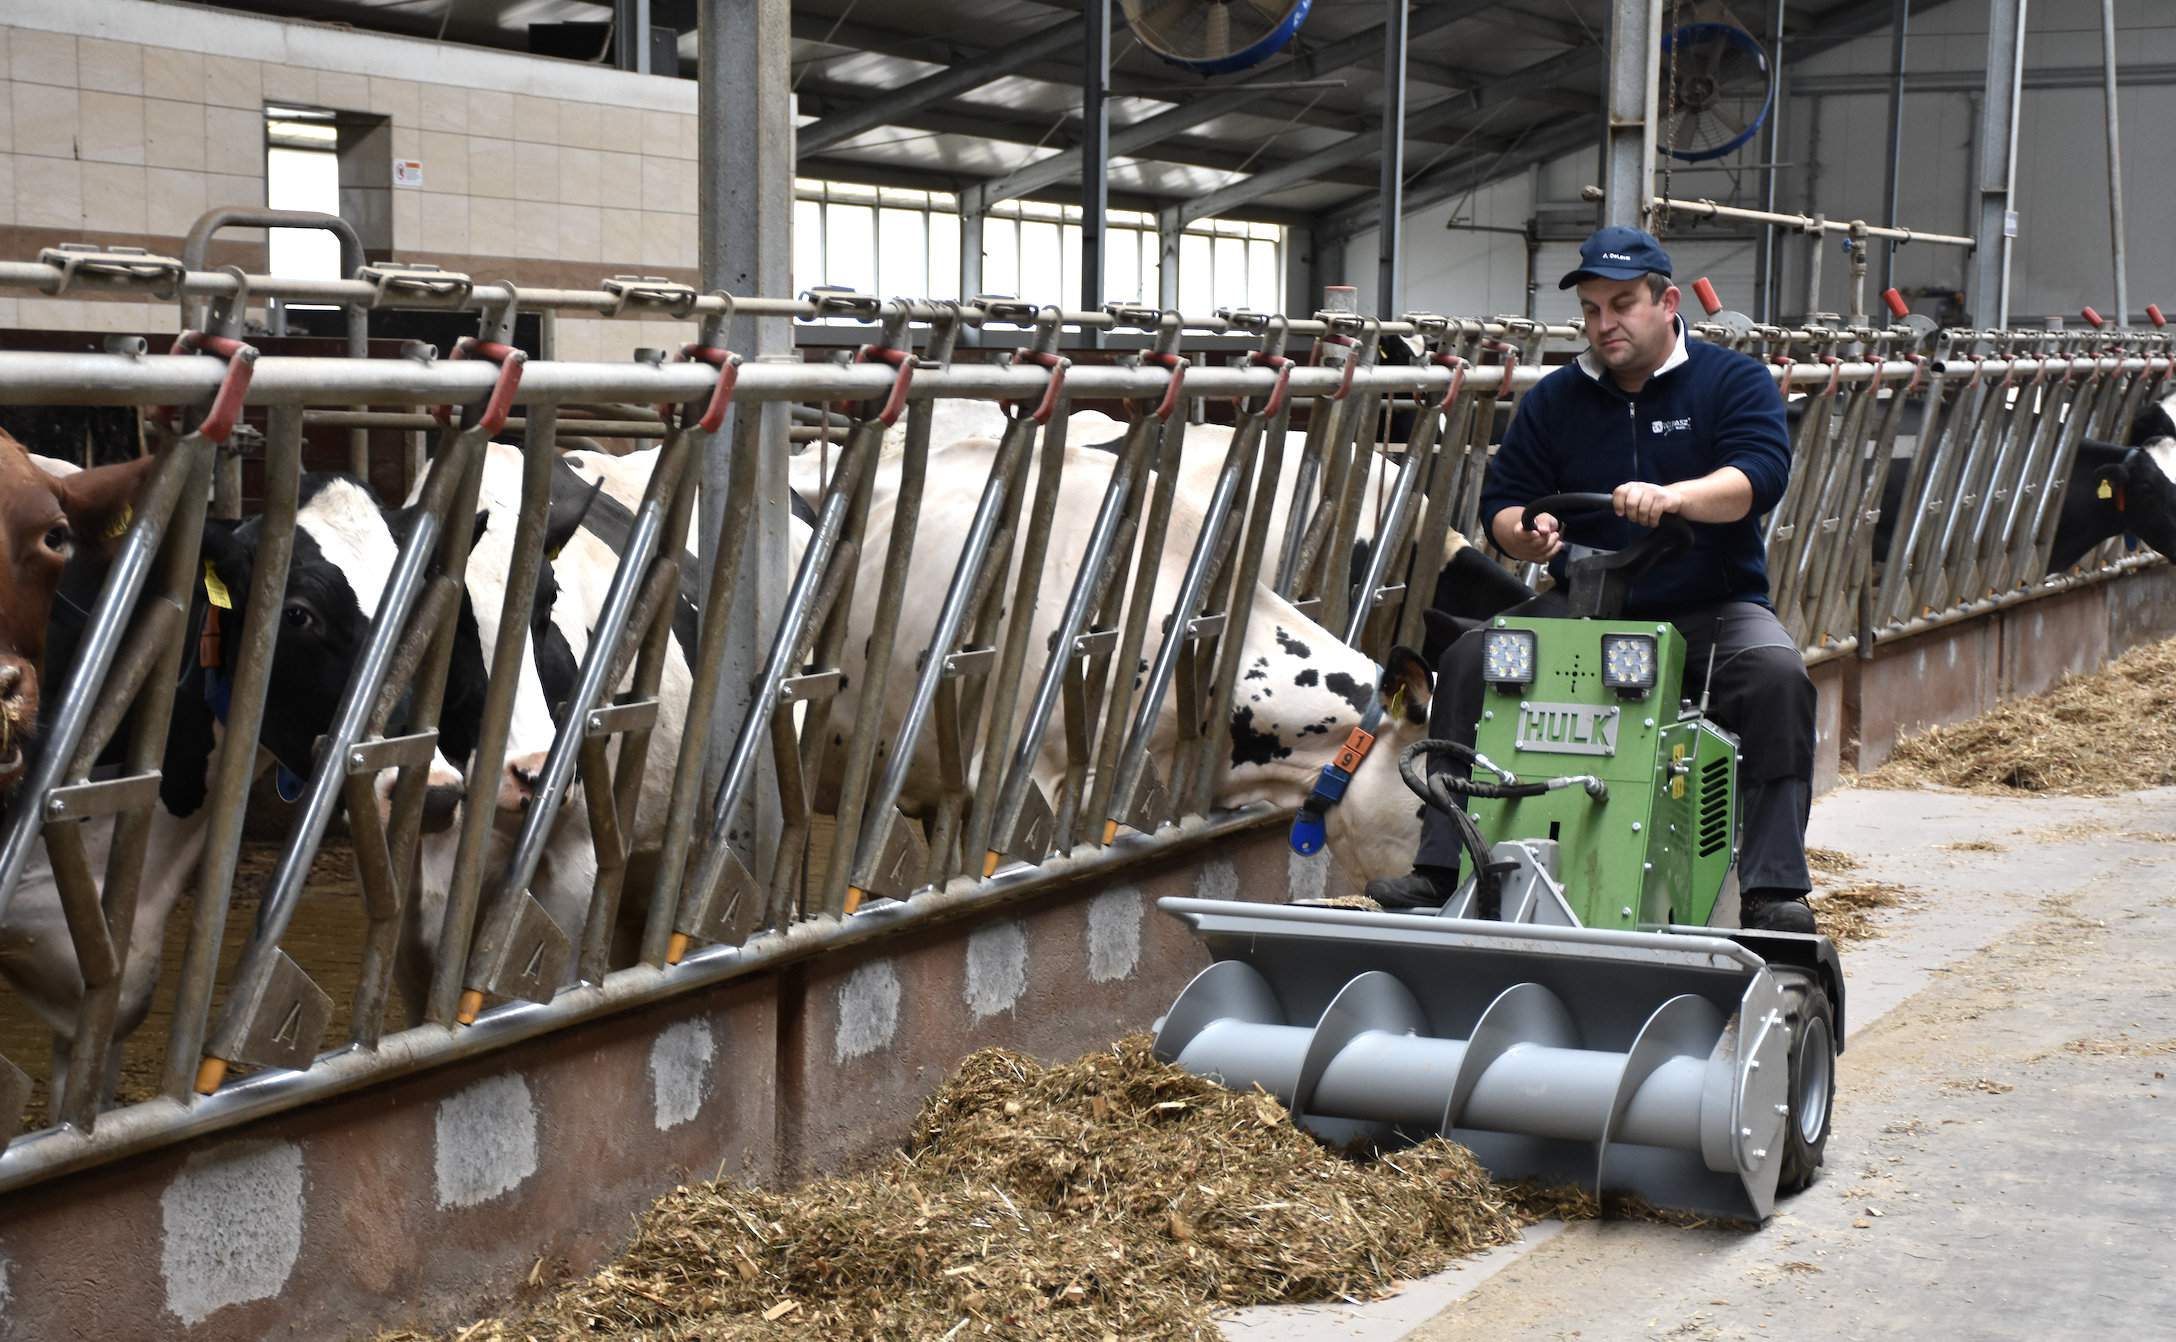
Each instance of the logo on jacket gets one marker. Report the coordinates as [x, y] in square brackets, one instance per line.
[1670, 425]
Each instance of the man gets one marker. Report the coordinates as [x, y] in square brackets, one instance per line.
[1662, 425]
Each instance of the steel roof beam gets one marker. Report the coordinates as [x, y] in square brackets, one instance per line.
[1315, 167]
[940, 87]
[822, 98]
[1356, 49]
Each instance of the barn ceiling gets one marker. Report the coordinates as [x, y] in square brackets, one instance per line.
[1492, 87]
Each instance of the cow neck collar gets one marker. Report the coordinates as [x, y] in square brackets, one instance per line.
[1310, 826]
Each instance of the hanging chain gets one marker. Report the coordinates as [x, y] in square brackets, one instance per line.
[1668, 129]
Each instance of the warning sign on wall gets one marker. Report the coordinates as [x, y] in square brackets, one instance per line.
[407, 172]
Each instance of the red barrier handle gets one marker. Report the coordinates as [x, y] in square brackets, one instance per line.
[1458, 377]
[1510, 364]
[226, 407]
[721, 396]
[1705, 292]
[1177, 365]
[2153, 311]
[903, 362]
[1057, 364]
[501, 402]
[2094, 319]
[1281, 393]
[1898, 308]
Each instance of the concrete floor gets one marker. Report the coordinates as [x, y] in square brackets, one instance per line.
[2003, 1163]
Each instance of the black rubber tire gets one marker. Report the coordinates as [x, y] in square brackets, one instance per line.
[1813, 1078]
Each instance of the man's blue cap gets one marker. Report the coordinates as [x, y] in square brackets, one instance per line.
[1618, 254]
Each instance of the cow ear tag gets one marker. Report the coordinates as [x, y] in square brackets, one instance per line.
[2106, 491]
[215, 591]
[119, 526]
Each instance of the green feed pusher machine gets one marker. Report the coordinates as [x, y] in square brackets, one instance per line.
[1570, 1015]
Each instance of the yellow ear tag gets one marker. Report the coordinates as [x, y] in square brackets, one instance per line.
[215, 591]
[119, 525]
[1397, 701]
[2106, 490]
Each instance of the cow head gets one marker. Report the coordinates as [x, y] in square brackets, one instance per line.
[1374, 831]
[46, 519]
[2117, 491]
[1300, 694]
[344, 549]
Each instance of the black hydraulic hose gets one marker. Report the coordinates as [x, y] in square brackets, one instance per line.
[1423, 786]
[1437, 792]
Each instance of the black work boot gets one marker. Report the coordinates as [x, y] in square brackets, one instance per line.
[1425, 887]
[1774, 911]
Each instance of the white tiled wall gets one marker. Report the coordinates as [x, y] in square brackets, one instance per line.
[527, 158]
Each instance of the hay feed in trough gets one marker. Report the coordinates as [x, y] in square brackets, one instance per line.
[1110, 1196]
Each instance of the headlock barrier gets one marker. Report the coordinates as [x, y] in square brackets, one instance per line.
[1021, 645]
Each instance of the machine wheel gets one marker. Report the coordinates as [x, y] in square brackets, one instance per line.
[1813, 1078]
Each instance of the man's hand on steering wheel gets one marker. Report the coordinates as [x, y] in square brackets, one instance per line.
[1536, 546]
[1646, 504]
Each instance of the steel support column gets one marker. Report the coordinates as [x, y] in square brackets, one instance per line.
[1095, 141]
[1389, 284]
[970, 253]
[1770, 256]
[1998, 159]
[1629, 106]
[745, 105]
[631, 36]
[1892, 184]
[1169, 225]
[2115, 161]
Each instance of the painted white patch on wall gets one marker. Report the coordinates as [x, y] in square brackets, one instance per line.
[997, 968]
[1216, 880]
[1114, 928]
[680, 1071]
[1306, 877]
[230, 1227]
[486, 1141]
[7, 1291]
[868, 1011]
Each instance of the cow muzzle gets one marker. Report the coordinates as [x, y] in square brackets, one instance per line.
[519, 782]
[18, 715]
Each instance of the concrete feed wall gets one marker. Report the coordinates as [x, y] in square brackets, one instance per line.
[428, 1200]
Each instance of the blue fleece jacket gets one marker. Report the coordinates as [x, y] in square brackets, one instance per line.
[1706, 407]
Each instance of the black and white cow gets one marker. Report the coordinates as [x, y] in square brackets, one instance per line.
[1301, 690]
[344, 548]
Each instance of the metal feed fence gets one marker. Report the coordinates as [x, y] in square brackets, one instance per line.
[2002, 417]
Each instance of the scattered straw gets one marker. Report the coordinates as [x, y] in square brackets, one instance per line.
[1981, 1084]
[1847, 914]
[1830, 861]
[1344, 902]
[1974, 846]
[2121, 1047]
[1109, 1197]
[1569, 1202]
[2112, 731]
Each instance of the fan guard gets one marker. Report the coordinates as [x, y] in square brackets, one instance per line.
[1215, 37]
[1719, 70]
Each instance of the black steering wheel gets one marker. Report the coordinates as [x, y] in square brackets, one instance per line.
[1672, 533]
[1599, 583]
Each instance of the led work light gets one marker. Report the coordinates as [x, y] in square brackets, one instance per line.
[1628, 662]
[1507, 657]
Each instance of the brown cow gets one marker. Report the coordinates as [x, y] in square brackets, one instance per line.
[42, 513]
